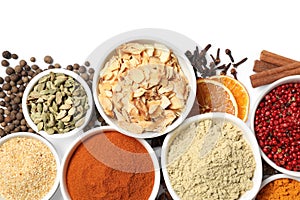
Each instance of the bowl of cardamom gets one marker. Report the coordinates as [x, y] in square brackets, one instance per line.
[57, 103]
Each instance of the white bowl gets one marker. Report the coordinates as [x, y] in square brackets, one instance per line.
[276, 177]
[289, 79]
[95, 131]
[33, 82]
[248, 135]
[52, 149]
[186, 67]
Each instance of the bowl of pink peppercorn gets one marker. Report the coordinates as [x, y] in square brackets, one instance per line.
[276, 123]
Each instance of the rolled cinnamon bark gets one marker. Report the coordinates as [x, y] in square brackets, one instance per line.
[271, 75]
[260, 66]
[275, 59]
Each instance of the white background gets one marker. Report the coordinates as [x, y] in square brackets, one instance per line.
[70, 30]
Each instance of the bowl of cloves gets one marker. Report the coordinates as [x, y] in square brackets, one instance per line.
[57, 103]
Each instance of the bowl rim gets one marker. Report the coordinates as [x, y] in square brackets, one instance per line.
[92, 132]
[138, 36]
[276, 177]
[250, 138]
[288, 79]
[55, 186]
[79, 79]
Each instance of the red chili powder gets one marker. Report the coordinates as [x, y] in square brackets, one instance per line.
[110, 165]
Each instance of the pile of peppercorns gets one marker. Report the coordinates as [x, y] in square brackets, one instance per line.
[13, 84]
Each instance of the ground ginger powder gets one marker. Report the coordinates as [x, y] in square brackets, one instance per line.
[210, 160]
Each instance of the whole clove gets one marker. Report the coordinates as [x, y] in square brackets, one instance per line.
[234, 73]
[240, 62]
[228, 52]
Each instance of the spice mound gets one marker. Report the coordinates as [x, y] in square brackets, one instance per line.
[112, 166]
[143, 87]
[280, 189]
[57, 104]
[210, 160]
[28, 169]
[277, 125]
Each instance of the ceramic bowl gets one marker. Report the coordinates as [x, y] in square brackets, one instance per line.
[100, 130]
[52, 149]
[29, 88]
[247, 133]
[186, 67]
[289, 79]
[276, 177]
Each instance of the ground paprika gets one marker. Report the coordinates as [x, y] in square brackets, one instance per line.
[108, 166]
[280, 189]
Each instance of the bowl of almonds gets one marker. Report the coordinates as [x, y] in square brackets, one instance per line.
[144, 88]
[57, 103]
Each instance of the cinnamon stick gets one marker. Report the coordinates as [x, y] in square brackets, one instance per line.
[260, 66]
[275, 59]
[271, 75]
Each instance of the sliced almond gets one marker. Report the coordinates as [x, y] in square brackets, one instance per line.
[139, 92]
[165, 102]
[149, 49]
[136, 75]
[176, 103]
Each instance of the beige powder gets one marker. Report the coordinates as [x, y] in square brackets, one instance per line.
[224, 171]
[28, 169]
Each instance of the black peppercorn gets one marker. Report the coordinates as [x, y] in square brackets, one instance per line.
[2, 94]
[56, 65]
[14, 56]
[18, 68]
[23, 128]
[1, 80]
[76, 66]
[23, 63]
[82, 69]
[14, 89]
[19, 116]
[1, 118]
[21, 88]
[6, 86]
[15, 77]
[24, 73]
[7, 79]
[10, 70]
[51, 67]
[85, 76]
[87, 63]
[91, 70]
[6, 54]
[32, 59]
[35, 67]
[27, 68]
[48, 59]
[23, 121]
[70, 67]
[4, 63]
[17, 100]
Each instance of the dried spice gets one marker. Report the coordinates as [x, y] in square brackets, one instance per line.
[57, 103]
[204, 69]
[280, 189]
[34, 169]
[124, 171]
[14, 83]
[143, 87]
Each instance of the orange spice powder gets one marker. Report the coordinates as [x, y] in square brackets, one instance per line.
[280, 189]
[110, 166]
